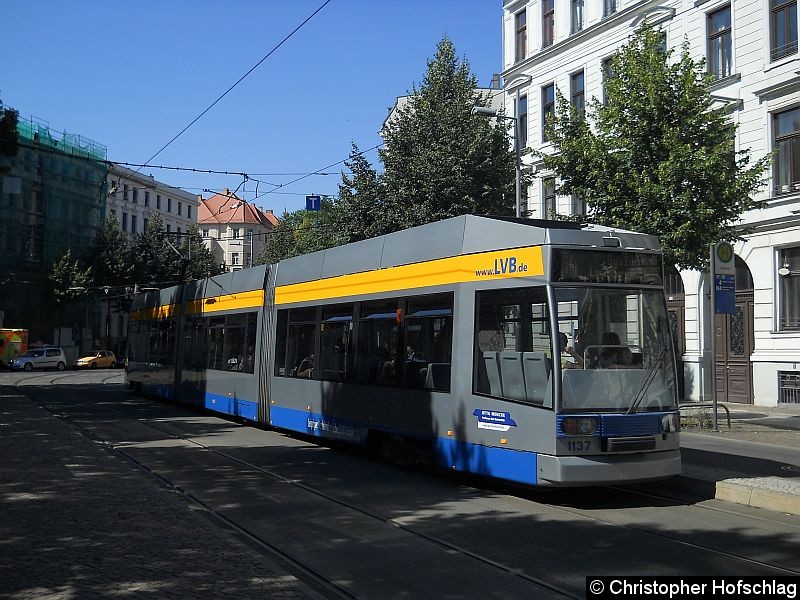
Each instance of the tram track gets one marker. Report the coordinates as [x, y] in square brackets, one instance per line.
[332, 589]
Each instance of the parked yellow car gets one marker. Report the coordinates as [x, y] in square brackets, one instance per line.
[101, 358]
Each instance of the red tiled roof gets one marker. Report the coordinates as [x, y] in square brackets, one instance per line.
[228, 208]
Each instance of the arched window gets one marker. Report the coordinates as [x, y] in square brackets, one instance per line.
[673, 284]
[744, 279]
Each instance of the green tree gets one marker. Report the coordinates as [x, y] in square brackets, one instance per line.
[109, 257]
[201, 261]
[154, 261]
[9, 137]
[67, 281]
[359, 210]
[301, 232]
[657, 157]
[439, 159]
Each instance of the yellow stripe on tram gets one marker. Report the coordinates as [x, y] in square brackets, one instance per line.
[503, 264]
[213, 304]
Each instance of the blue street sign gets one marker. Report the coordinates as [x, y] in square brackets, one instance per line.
[724, 294]
[313, 202]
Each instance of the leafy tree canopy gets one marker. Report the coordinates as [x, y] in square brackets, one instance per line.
[67, 281]
[439, 159]
[9, 137]
[109, 258]
[657, 157]
[301, 232]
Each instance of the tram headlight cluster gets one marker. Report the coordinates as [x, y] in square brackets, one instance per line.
[579, 425]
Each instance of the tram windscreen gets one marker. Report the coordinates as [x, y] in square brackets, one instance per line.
[616, 353]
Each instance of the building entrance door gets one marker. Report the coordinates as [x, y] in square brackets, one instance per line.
[735, 335]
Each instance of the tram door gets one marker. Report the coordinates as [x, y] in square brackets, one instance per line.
[734, 339]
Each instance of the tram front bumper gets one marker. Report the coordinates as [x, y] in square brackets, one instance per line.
[605, 469]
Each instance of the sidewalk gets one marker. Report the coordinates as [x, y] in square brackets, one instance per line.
[77, 522]
[755, 461]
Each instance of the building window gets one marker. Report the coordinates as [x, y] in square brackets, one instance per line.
[789, 263]
[179, 231]
[720, 53]
[188, 211]
[520, 36]
[235, 258]
[235, 233]
[548, 107]
[783, 28]
[577, 16]
[147, 198]
[133, 224]
[135, 196]
[786, 127]
[169, 228]
[608, 74]
[578, 205]
[548, 22]
[205, 232]
[124, 221]
[577, 91]
[169, 205]
[548, 197]
[158, 201]
[180, 208]
[609, 7]
[125, 192]
[522, 121]
[145, 221]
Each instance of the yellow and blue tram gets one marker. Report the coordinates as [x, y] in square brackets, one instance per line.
[532, 351]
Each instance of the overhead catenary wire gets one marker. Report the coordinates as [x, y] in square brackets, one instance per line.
[242, 78]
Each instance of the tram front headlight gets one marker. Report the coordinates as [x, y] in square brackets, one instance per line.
[670, 423]
[579, 425]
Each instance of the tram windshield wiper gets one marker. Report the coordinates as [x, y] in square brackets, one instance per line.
[651, 371]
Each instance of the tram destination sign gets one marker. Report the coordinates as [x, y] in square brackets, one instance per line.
[607, 266]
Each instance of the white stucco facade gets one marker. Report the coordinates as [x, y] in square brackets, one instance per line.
[759, 83]
[134, 197]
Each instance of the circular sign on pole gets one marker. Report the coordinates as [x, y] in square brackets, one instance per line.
[723, 259]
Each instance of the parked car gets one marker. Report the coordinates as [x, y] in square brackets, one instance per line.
[101, 358]
[40, 358]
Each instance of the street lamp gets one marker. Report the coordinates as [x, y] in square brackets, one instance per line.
[492, 113]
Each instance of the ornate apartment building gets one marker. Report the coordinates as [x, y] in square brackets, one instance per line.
[235, 231]
[751, 49]
[134, 197]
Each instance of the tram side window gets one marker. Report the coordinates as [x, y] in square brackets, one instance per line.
[194, 343]
[232, 342]
[377, 343]
[216, 344]
[512, 345]
[162, 341]
[233, 346]
[299, 344]
[336, 343]
[428, 329]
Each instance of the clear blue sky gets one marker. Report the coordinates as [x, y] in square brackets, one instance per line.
[131, 75]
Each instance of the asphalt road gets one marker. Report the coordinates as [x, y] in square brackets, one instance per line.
[374, 530]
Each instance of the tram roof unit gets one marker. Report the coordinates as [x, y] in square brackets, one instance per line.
[462, 235]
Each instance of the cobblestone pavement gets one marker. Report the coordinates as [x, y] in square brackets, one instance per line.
[102, 529]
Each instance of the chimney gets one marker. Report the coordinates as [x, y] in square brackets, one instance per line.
[227, 192]
[199, 198]
[496, 81]
[268, 211]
